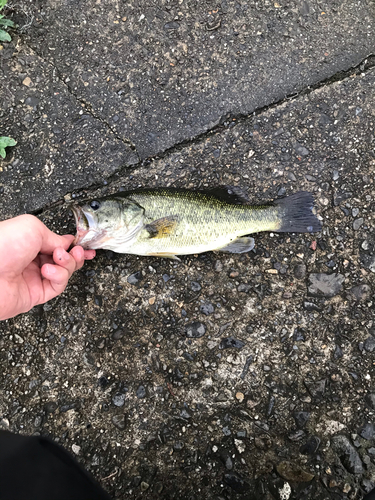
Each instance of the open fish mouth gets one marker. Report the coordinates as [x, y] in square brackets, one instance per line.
[88, 235]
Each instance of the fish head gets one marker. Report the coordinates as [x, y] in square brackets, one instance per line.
[107, 223]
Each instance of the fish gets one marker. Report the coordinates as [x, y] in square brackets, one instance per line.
[167, 222]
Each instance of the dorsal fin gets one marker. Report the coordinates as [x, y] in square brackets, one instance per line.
[229, 194]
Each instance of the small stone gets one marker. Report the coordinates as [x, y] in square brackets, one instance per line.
[119, 399]
[311, 446]
[226, 431]
[240, 445]
[185, 414]
[178, 445]
[310, 306]
[291, 177]
[118, 334]
[369, 344]
[243, 288]
[237, 484]
[301, 418]
[316, 389]
[234, 274]
[326, 285]
[27, 82]
[195, 330]
[367, 431]
[281, 191]
[141, 392]
[144, 486]
[301, 150]
[76, 449]
[231, 342]
[293, 472]
[135, 278]
[360, 292]
[370, 400]
[207, 309]
[335, 175]
[299, 271]
[240, 396]
[347, 454]
[357, 224]
[119, 421]
[195, 286]
[218, 266]
[355, 212]
[151, 301]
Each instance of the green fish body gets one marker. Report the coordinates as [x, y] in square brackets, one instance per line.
[167, 222]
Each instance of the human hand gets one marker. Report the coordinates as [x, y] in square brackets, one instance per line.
[34, 264]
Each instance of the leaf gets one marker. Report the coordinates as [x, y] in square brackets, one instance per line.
[4, 143]
[4, 37]
[6, 22]
[3, 3]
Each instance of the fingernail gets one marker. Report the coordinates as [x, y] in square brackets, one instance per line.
[50, 269]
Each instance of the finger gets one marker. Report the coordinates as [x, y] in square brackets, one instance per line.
[56, 279]
[78, 255]
[42, 259]
[90, 254]
[65, 260]
[51, 240]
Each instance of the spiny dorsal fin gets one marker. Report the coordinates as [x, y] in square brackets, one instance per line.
[161, 228]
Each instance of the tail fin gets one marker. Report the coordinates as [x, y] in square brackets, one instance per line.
[296, 212]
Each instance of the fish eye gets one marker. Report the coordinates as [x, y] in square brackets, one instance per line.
[95, 205]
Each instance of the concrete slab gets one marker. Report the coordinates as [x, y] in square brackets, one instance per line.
[107, 370]
[162, 73]
[60, 145]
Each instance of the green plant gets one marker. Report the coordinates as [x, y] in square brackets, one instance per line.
[4, 143]
[4, 36]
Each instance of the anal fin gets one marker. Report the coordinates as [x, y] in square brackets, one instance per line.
[165, 255]
[240, 245]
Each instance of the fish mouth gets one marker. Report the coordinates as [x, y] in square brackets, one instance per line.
[88, 235]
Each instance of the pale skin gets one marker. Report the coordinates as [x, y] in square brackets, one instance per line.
[35, 266]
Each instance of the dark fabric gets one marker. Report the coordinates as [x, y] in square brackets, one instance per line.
[36, 468]
[370, 496]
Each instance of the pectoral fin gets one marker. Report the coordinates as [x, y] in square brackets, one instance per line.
[240, 245]
[161, 228]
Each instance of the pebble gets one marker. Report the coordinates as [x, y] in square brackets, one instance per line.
[299, 271]
[357, 224]
[310, 306]
[195, 330]
[360, 292]
[316, 389]
[243, 287]
[240, 396]
[369, 344]
[185, 414]
[301, 150]
[178, 445]
[293, 472]
[237, 484]
[195, 286]
[135, 278]
[141, 392]
[311, 446]
[355, 212]
[207, 309]
[326, 285]
[347, 454]
[119, 421]
[370, 400]
[118, 334]
[301, 418]
[218, 266]
[335, 175]
[119, 399]
[367, 432]
[231, 342]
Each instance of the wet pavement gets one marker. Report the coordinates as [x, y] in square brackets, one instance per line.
[221, 376]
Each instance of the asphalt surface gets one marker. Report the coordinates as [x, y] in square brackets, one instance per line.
[220, 376]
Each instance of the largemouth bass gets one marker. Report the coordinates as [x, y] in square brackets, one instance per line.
[166, 222]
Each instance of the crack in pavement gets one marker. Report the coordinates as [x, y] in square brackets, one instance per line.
[86, 105]
[367, 64]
